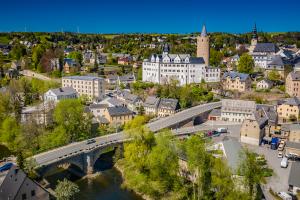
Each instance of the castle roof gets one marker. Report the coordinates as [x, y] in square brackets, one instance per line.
[204, 32]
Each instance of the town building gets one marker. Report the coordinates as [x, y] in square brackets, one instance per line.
[264, 84]
[118, 115]
[88, 86]
[16, 185]
[54, 64]
[203, 46]
[294, 180]
[292, 84]
[236, 81]
[215, 115]
[151, 105]
[254, 129]
[292, 148]
[133, 102]
[40, 114]
[288, 109]
[98, 110]
[71, 66]
[237, 110]
[291, 132]
[60, 93]
[167, 107]
[185, 69]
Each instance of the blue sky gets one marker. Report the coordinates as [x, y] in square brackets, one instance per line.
[143, 16]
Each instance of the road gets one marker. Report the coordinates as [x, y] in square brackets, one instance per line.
[36, 75]
[182, 116]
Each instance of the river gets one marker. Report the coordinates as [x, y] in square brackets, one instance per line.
[105, 186]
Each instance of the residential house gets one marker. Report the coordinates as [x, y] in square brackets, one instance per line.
[292, 148]
[294, 180]
[292, 84]
[41, 114]
[237, 110]
[118, 115]
[98, 110]
[167, 107]
[264, 84]
[60, 93]
[89, 86]
[212, 74]
[275, 63]
[124, 60]
[71, 66]
[151, 105]
[132, 101]
[16, 185]
[291, 132]
[236, 81]
[288, 109]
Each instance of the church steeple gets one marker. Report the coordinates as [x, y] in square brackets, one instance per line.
[254, 32]
[204, 32]
[166, 49]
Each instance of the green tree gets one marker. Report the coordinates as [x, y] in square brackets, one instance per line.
[76, 55]
[66, 190]
[251, 170]
[37, 54]
[17, 52]
[10, 133]
[246, 64]
[274, 75]
[215, 57]
[69, 114]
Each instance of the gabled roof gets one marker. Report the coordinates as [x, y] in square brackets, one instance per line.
[170, 104]
[232, 150]
[295, 76]
[276, 60]
[294, 179]
[294, 101]
[152, 102]
[98, 106]
[119, 111]
[269, 82]
[233, 75]
[266, 47]
[63, 91]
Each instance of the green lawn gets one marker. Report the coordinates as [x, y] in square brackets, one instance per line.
[4, 40]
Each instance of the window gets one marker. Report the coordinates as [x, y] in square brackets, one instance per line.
[32, 193]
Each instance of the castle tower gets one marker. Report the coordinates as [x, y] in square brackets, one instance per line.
[166, 49]
[203, 45]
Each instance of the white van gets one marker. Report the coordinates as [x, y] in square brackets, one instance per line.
[284, 162]
[284, 196]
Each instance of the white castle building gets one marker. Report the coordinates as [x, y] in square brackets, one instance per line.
[181, 67]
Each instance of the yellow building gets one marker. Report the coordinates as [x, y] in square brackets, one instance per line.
[236, 81]
[288, 109]
[118, 115]
[292, 84]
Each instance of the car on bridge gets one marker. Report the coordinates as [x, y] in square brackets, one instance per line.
[90, 141]
[6, 167]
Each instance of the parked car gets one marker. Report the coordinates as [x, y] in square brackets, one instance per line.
[285, 196]
[280, 154]
[284, 162]
[280, 147]
[6, 166]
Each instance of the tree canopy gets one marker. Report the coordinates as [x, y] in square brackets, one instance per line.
[246, 64]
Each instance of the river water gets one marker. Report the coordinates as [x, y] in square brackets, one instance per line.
[105, 186]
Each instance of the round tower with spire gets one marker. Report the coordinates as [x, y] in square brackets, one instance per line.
[203, 45]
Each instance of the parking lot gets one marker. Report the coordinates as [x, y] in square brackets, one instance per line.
[279, 181]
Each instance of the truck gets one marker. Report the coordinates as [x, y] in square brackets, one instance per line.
[274, 143]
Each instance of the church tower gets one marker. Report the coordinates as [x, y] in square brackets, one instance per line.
[203, 45]
[254, 36]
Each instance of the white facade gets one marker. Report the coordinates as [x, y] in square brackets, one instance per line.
[59, 94]
[212, 74]
[264, 85]
[237, 110]
[182, 67]
[89, 86]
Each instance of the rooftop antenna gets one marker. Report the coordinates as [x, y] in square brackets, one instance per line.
[77, 29]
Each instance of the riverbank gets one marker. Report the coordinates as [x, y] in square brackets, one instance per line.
[119, 165]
